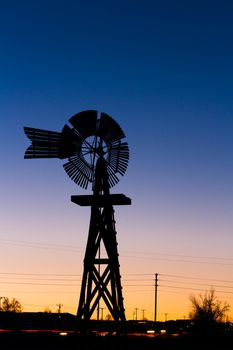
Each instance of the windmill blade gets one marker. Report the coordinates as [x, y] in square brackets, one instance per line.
[119, 157]
[109, 129]
[112, 178]
[70, 143]
[85, 123]
[45, 143]
[79, 171]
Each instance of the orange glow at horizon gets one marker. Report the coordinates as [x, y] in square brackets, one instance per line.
[43, 286]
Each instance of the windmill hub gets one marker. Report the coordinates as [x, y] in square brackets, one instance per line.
[94, 147]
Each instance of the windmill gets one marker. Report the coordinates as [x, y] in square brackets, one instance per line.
[97, 156]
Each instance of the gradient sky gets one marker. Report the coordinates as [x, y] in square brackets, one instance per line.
[163, 69]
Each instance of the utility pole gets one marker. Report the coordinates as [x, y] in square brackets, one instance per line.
[156, 290]
[59, 308]
[165, 314]
[1, 302]
[143, 314]
[136, 314]
[102, 313]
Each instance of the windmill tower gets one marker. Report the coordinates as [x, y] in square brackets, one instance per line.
[97, 155]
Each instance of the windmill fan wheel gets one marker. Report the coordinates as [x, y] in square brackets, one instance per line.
[89, 139]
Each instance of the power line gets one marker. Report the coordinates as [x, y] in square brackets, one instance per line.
[196, 283]
[179, 260]
[180, 276]
[40, 292]
[188, 288]
[53, 277]
[47, 246]
[42, 284]
[166, 284]
[139, 274]
[196, 278]
[41, 278]
[37, 274]
[183, 256]
[136, 254]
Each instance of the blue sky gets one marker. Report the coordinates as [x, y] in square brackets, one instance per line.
[163, 70]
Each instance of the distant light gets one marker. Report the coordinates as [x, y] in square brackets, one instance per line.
[163, 331]
[150, 331]
[63, 333]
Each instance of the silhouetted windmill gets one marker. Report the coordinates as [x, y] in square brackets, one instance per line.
[96, 155]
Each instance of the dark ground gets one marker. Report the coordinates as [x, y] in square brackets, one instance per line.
[73, 341]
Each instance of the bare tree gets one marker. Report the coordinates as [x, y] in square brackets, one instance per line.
[208, 313]
[12, 305]
[208, 308]
[47, 310]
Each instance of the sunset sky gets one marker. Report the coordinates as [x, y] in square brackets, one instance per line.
[163, 70]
